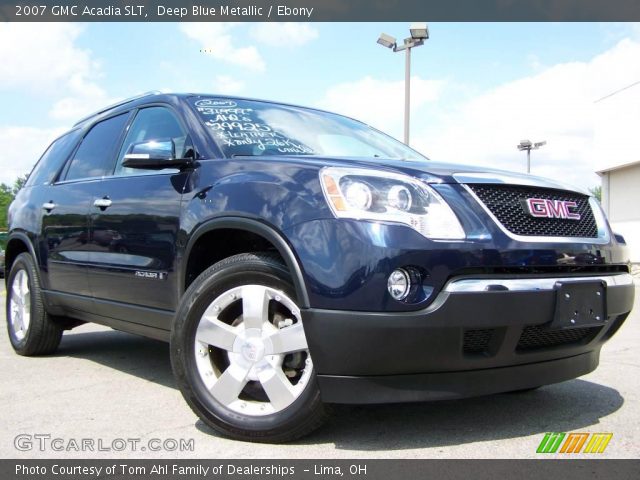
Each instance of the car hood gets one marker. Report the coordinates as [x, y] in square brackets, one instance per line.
[440, 172]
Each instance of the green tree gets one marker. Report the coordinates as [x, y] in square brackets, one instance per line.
[7, 194]
[596, 192]
[6, 197]
[19, 183]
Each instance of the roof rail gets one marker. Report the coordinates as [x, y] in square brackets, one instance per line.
[117, 104]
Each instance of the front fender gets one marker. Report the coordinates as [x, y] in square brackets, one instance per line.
[262, 229]
[282, 194]
[258, 196]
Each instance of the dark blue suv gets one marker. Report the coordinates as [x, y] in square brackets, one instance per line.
[294, 257]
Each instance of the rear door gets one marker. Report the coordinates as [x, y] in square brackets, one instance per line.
[39, 204]
[66, 206]
[134, 226]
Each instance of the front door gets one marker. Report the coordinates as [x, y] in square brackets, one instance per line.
[134, 226]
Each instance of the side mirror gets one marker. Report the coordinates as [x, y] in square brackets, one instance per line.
[154, 155]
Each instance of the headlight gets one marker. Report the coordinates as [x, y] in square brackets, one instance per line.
[364, 194]
[399, 197]
[358, 195]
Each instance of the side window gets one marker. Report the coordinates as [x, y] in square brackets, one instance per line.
[53, 158]
[94, 157]
[153, 123]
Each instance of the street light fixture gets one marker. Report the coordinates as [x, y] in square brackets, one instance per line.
[387, 40]
[419, 33]
[528, 145]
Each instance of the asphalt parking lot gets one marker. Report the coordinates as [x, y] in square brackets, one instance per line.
[109, 386]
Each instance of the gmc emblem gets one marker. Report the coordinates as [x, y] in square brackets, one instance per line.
[545, 208]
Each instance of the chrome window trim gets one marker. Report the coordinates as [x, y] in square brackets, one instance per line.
[530, 284]
[603, 238]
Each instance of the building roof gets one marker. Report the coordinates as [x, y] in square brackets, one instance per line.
[618, 167]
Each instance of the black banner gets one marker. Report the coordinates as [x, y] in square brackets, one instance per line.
[319, 469]
[318, 10]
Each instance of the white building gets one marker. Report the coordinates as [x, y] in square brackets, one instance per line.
[616, 145]
[621, 202]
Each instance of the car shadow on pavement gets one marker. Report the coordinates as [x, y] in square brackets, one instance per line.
[569, 406]
[143, 357]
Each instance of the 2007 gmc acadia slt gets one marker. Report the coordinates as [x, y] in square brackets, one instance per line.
[294, 257]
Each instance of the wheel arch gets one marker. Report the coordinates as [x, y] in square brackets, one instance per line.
[17, 243]
[255, 227]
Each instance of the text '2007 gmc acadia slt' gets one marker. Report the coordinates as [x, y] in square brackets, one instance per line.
[294, 257]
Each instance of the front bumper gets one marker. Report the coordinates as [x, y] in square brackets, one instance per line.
[467, 342]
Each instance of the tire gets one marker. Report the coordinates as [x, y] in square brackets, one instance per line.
[249, 376]
[32, 331]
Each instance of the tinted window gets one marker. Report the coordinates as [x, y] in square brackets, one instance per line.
[94, 158]
[53, 159]
[153, 123]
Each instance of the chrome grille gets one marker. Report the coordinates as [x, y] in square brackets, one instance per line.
[508, 204]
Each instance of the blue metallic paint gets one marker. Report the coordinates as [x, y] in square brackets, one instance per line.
[343, 263]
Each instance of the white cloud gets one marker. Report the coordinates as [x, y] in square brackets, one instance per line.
[284, 34]
[215, 39]
[228, 85]
[85, 98]
[380, 103]
[41, 56]
[65, 71]
[44, 60]
[21, 149]
[556, 105]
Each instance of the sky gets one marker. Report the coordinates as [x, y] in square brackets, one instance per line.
[477, 88]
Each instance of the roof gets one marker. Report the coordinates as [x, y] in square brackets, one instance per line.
[116, 105]
[156, 93]
[618, 167]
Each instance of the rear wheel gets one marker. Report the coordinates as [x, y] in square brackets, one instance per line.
[32, 331]
[240, 354]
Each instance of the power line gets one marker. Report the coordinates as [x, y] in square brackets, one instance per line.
[618, 91]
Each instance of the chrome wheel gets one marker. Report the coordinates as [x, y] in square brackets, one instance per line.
[251, 352]
[20, 305]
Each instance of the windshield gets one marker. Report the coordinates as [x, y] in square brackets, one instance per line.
[249, 127]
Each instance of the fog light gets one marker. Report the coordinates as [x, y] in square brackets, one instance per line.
[399, 284]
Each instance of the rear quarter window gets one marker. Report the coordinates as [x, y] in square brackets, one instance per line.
[53, 158]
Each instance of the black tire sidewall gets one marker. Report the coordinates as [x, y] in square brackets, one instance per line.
[195, 302]
[22, 262]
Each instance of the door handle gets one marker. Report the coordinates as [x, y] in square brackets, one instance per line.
[102, 203]
[48, 206]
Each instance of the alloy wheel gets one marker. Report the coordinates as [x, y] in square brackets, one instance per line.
[20, 305]
[251, 351]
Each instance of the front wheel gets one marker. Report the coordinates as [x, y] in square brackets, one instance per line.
[240, 354]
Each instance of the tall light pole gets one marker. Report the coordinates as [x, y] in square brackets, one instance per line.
[528, 145]
[419, 33]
